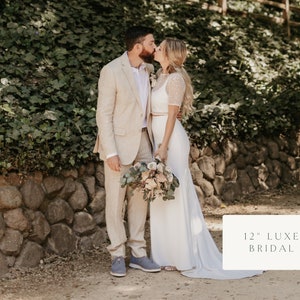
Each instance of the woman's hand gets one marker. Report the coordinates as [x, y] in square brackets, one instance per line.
[162, 150]
[162, 153]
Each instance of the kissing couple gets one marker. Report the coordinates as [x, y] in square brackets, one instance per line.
[137, 122]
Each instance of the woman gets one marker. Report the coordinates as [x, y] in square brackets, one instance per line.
[180, 239]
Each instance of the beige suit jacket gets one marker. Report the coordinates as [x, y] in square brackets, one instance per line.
[119, 111]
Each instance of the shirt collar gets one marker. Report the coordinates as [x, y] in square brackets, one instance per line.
[142, 67]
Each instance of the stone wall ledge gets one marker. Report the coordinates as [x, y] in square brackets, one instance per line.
[42, 215]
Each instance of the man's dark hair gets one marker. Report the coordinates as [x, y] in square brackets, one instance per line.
[136, 34]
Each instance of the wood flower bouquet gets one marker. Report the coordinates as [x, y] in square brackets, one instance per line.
[154, 179]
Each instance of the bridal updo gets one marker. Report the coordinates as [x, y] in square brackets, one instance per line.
[176, 52]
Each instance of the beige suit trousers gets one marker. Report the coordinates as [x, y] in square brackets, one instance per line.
[136, 208]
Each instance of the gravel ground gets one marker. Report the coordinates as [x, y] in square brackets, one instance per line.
[86, 275]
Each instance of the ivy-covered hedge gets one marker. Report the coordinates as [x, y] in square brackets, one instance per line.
[246, 74]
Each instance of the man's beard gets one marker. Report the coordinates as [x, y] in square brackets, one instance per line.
[147, 56]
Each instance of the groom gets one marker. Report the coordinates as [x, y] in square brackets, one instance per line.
[125, 137]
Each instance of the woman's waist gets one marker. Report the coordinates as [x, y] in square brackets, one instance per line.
[159, 114]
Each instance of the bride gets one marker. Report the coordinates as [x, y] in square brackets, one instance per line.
[180, 239]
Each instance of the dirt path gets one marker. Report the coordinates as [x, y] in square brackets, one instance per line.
[85, 275]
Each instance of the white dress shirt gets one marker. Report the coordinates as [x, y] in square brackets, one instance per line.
[142, 80]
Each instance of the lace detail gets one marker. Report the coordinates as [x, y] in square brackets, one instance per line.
[175, 89]
[160, 81]
[169, 90]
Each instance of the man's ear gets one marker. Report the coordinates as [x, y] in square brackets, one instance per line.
[138, 47]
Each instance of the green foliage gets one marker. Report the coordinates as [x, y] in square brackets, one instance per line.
[245, 74]
[247, 70]
[52, 53]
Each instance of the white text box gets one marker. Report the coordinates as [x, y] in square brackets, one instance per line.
[261, 242]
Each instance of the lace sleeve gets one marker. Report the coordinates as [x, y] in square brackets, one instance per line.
[175, 89]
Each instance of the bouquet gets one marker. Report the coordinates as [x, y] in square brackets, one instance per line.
[155, 179]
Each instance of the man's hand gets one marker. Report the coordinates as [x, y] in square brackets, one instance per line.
[179, 116]
[114, 163]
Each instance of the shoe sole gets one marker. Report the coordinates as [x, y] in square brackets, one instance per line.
[135, 266]
[117, 274]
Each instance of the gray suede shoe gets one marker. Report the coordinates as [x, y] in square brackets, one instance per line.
[118, 267]
[144, 263]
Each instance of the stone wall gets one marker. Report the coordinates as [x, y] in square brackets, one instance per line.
[226, 173]
[41, 214]
[44, 214]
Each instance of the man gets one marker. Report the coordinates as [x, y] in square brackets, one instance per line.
[125, 137]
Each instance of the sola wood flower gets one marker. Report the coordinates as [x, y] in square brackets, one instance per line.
[153, 80]
[154, 179]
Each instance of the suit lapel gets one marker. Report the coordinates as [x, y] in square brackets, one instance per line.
[126, 68]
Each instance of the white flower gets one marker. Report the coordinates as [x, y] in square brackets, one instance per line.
[150, 184]
[160, 167]
[170, 177]
[153, 80]
[161, 178]
[152, 165]
[168, 169]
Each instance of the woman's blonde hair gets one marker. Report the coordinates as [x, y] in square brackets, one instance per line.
[176, 52]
